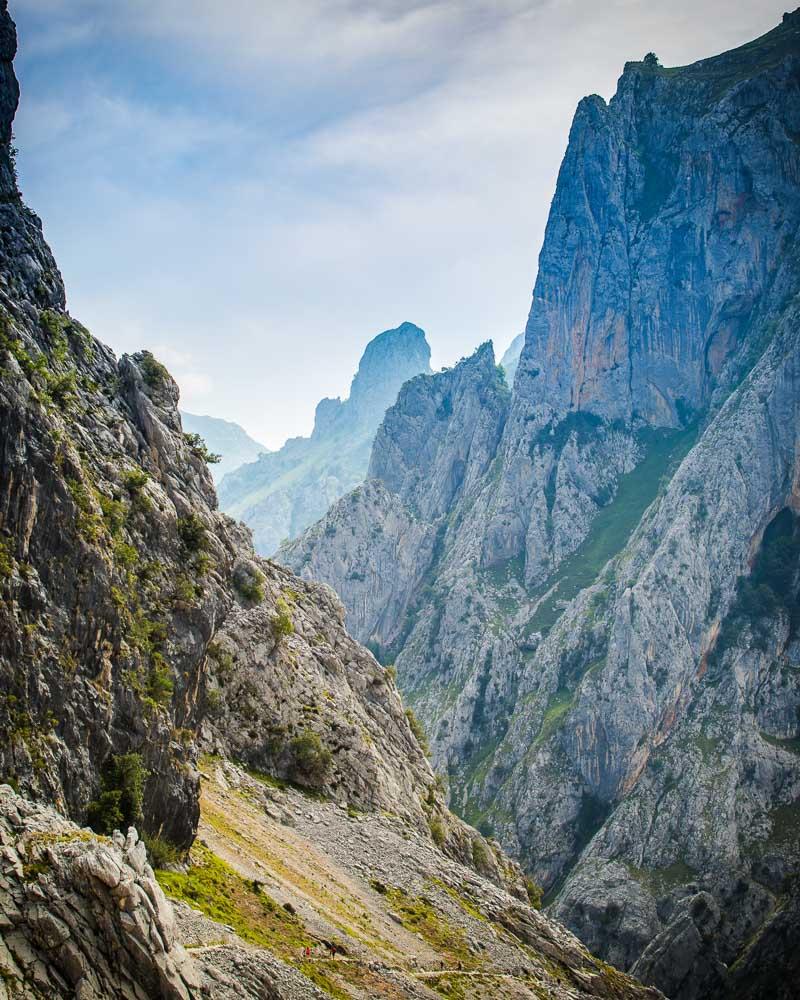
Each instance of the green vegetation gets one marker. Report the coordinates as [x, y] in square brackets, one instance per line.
[134, 479]
[791, 744]
[223, 660]
[437, 831]
[153, 372]
[311, 761]
[114, 513]
[580, 423]
[613, 524]
[418, 916]
[535, 893]
[88, 522]
[185, 590]
[213, 887]
[418, 731]
[785, 830]
[480, 855]
[557, 708]
[162, 852]
[159, 685]
[7, 562]
[53, 323]
[122, 795]
[53, 376]
[192, 533]
[251, 587]
[661, 881]
[281, 624]
[199, 447]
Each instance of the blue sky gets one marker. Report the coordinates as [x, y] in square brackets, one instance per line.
[253, 189]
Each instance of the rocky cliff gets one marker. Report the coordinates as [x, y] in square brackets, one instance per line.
[226, 441]
[601, 638]
[137, 630]
[282, 493]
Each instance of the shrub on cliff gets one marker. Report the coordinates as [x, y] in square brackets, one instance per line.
[311, 761]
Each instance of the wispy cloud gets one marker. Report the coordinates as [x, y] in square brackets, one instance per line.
[264, 186]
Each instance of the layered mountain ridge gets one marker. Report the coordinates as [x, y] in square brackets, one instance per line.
[227, 442]
[282, 493]
[592, 592]
[139, 630]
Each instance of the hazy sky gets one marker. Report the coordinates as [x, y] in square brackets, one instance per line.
[254, 188]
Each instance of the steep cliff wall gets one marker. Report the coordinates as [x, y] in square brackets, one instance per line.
[571, 649]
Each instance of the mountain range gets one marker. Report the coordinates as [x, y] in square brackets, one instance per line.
[281, 493]
[158, 680]
[229, 443]
[589, 586]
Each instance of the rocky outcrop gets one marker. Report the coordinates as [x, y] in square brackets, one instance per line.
[603, 644]
[82, 916]
[227, 442]
[283, 492]
[85, 916]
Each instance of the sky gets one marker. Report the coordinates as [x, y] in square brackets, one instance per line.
[254, 189]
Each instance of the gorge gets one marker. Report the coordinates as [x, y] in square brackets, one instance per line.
[589, 586]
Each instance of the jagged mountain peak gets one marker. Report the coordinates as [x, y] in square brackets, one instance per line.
[595, 627]
[284, 492]
[388, 360]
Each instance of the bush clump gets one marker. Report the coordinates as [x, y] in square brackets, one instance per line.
[418, 731]
[192, 533]
[122, 796]
[6, 557]
[250, 586]
[200, 448]
[437, 832]
[134, 480]
[159, 682]
[162, 852]
[282, 624]
[535, 893]
[311, 761]
[480, 855]
[153, 372]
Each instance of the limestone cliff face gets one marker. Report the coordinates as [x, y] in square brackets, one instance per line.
[137, 628]
[282, 493]
[601, 643]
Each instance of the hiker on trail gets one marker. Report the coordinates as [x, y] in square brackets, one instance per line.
[308, 952]
[333, 950]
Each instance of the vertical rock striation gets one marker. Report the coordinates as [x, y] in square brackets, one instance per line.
[603, 640]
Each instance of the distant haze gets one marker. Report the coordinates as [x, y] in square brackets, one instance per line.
[252, 190]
